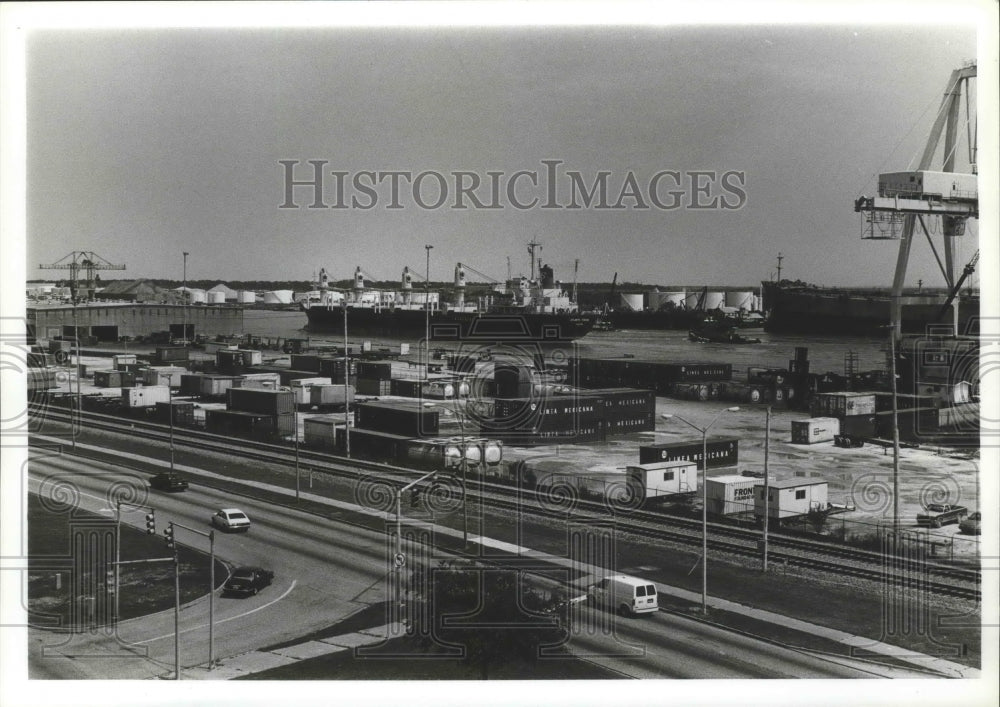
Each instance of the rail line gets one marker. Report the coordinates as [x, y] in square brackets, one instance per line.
[891, 570]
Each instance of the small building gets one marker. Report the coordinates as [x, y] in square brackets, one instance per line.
[664, 478]
[789, 498]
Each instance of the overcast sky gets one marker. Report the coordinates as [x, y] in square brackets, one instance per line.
[146, 143]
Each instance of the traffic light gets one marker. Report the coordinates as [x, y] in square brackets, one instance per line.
[168, 535]
[151, 523]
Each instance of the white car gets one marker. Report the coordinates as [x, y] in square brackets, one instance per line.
[231, 519]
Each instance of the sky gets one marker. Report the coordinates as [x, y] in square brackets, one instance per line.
[145, 143]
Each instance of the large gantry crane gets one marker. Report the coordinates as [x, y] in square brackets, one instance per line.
[908, 198]
[81, 260]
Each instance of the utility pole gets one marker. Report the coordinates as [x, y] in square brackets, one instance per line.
[427, 309]
[767, 449]
[185, 301]
[347, 383]
[780, 258]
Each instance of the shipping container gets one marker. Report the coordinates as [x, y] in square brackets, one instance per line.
[129, 378]
[333, 394]
[320, 430]
[841, 404]
[382, 446]
[145, 396]
[40, 379]
[860, 426]
[913, 423]
[216, 386]
[267, 381]
[191, 383]
[169, 354]
[249, 424]
[334, 368]
[815, 429]
[183, 413]
[258, 400]
[41, 360]
[959, 416]
[883, 401]
[790, 498]
[730, 494]
[252, 357]
[438, 390]
[305, 362]
[108, 379]
[377, 370]
[722, 452]
[405, 387]
[371, 386]
[407, 418]
[163, 375]
[119, 360]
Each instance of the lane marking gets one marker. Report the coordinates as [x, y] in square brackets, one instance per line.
[222, 621]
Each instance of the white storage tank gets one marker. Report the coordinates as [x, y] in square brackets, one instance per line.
[197, 296]
[664, 300]
[730, 494]
[714, 300]
[631, 302]
[246, 297]
[789, 498]
[691, 299]
[216, 297]
[742, 299]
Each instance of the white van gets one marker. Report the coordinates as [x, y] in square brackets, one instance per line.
[626, 595]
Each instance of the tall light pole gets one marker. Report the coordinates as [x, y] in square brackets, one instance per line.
[170, 406]
[427, 314]
[704, 498]
[347, 383]
[185, 300]
[767, 509]
[895, 435]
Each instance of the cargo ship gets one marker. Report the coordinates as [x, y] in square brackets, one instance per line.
[801, 308]
[528, 309]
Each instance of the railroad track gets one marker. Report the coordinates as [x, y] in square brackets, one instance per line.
[892, 571]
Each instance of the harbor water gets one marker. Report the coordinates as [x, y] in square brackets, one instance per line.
[826, 353]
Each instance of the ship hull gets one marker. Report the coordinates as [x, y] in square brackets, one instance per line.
[829, 311]
[451, 326]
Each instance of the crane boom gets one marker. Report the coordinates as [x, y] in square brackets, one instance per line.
[85, 260]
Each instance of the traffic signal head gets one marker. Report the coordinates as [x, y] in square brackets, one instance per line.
[168, 535]
[151, 523]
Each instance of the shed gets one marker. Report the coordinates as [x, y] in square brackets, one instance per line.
[730, 494]
[788, 498]
[665, 478]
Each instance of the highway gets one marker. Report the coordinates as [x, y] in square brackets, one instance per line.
[326, 570]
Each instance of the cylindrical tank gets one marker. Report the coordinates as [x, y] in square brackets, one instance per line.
[197, 296]
[216, 297]
[740, 299]
[665, 300]
[246, 296]
[714, 300]
[631, 302]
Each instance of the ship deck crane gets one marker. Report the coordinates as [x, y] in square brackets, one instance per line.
[86, 260]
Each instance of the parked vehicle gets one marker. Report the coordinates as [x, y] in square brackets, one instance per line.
[628, 596]
[168, 481]
[231, 519]
[247, 581]
[938, 514]
[971, 525]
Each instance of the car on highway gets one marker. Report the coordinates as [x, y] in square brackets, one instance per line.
[937, 514]
[168, 481]
[628, 596]
[971, 525]
[247, 581]
[231, 519]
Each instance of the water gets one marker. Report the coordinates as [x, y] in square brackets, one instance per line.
[826, 353]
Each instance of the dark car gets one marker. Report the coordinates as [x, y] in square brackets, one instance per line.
[247, 581]
[168, 481]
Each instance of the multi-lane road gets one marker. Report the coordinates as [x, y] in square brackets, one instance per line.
[326, 570]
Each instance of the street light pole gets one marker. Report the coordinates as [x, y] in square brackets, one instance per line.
[170, 405]
[427, 314]
[184, 301]
[767, 442]
[704, 498]
[347, 383]
[297, 456]
[895, 435]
